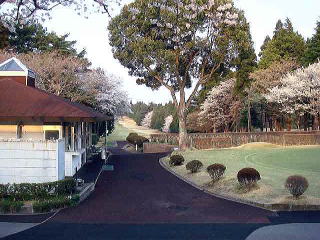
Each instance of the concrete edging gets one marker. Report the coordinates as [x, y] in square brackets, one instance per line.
[270, 207]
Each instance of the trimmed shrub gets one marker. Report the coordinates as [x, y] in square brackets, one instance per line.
[216, 171]
[9, 206]
[139, 140]
[36, 191]
[248, 177]
[296, 185]
[55, 203]
[194, 166]
[131, 138]
[176, 160]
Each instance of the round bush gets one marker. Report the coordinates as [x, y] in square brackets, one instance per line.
[139, 140]
[131, 138]
[248, 176]
[296, 185]
[216, 171]
[176, 160]
[194, 166]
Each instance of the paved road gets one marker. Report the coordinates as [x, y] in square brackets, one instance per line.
[141, 200]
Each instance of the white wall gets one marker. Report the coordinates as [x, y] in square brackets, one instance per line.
[72, 161]
[31, 161]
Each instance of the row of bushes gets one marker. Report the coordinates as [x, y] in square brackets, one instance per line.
[247, 177]
[55, 203]
[135, 139]
[37, 191]
[9, 206]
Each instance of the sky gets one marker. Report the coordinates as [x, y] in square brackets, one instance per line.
[91, 33]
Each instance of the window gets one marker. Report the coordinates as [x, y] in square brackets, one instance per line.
[51, 134]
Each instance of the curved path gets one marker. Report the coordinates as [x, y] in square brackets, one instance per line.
[141, 200]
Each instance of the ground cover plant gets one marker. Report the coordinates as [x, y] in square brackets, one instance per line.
[275, 165]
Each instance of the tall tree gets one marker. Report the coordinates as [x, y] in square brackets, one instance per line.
[243, 64]
[4, 36]
[312, 53]
[174, 44]
[33, 37]
[285, 44]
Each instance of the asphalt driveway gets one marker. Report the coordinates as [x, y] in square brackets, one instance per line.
[141, 200]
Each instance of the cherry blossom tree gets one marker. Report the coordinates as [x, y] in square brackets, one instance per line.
[298, 92]
[217, 108]
[146, 122]
[69, 77]
[104, 92]
[167, 122]
[177, 44]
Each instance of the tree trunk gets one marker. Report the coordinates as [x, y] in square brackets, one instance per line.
[249, 117]
[183, 135]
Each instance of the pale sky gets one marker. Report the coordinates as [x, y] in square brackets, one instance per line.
[92, 34]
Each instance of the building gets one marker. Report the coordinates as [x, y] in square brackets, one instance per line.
[43, 137]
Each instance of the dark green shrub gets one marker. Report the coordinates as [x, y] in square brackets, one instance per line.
[296, 185]
[54, 203]
[65, 187]
[216, 171]
[194, 166]
[75, 199]
[176, 160]
[9, 206]
[131, 138]
[248, 177]
[36, 191]
[139, 140]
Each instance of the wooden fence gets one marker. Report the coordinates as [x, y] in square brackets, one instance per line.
[225, 140]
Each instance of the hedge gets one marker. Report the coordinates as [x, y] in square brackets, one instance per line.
[37, 191]
[9, 206]
[55, 203]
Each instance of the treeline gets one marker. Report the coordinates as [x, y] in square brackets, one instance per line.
[156, 116]
[280, 91]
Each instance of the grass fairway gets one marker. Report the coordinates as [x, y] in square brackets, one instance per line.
[119, 134]
[125, 126]
[275, 164]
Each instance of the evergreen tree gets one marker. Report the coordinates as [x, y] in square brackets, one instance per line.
[32, 37]
[244, 63]
[4, 36]
[285, 44]
[264, 45]
[312, 53]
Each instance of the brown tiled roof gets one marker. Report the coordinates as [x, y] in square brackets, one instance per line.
[20, 102]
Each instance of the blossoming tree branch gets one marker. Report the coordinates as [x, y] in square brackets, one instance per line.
[178, 44]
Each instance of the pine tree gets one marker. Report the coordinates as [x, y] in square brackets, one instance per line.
[285, 44]
[4, 36]
[33, 37]
[312, 53]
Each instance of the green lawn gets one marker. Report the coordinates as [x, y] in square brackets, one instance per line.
[119, 134]
[274, 165]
